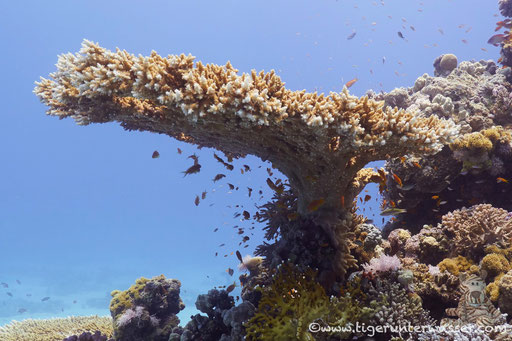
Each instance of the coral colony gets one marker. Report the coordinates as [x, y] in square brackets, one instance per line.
[442, 263]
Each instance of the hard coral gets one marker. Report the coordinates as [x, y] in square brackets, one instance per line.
[147, 310]
[288, 306]
[305, 135]
[477, 227]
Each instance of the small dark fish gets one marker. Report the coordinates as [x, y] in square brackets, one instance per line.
[18, 281]
[231, 187]
[74, 301]
[229, 167]
[9, 294]
[247, 215]
[45, 299]
[179, 151]
[22, 310]
[155, 155]
[196, 201]
[412, 28]
[230, 271]
[496, 39]
[246, 238]
[195, 158]
[192, 170]
[216, 229]
[231, 288]
[221, 245]
[203, 195]
[401, 35]
[247, 168]
[5, 285]
[351, 35]
[239, 256]
[29, 295]
[250, 191]
[218, 177]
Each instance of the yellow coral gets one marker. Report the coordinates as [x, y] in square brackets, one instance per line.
[122, 300]
[455, 265]
[495, 264]
[493, 288]
[497, 134]
[474, 141]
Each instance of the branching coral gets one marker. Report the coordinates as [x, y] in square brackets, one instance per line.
[476, 227]
[55, 329]
[305, 135]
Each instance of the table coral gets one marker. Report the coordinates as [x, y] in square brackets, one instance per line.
[55, 329]
[305, 135]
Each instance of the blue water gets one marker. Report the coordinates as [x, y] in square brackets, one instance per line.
[86, 210]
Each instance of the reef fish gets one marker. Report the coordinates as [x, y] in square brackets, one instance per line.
[351, 35]
[401, 35]
[156, 154]
[192, 169]
[393, 211]
[498, 180]
[22, 310]
[45, 299]
[315, 204]
[350, 83]
[497, 39]
[231, 288]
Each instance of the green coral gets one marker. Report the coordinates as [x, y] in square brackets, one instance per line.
[294, 301]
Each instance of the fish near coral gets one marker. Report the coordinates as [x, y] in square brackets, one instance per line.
[316, 204]
[192, 170]
[497, 39]
[218, 177]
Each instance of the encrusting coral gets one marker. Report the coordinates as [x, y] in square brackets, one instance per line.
[305, 135]
[55, 329]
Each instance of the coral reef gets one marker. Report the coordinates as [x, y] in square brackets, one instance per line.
[224, 320]
[86, 336]
[305, 135]
[147, 310]
[55, 329]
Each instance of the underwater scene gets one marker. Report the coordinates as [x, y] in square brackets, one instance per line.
[256, 170]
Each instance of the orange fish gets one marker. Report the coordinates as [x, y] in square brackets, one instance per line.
[435, 197]
[350, 83]
[367, 197]
[498, 180]
[402, 159]
[231, 288]
[342, 201]
[315, 204]
[416, 164]
[397, 179]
